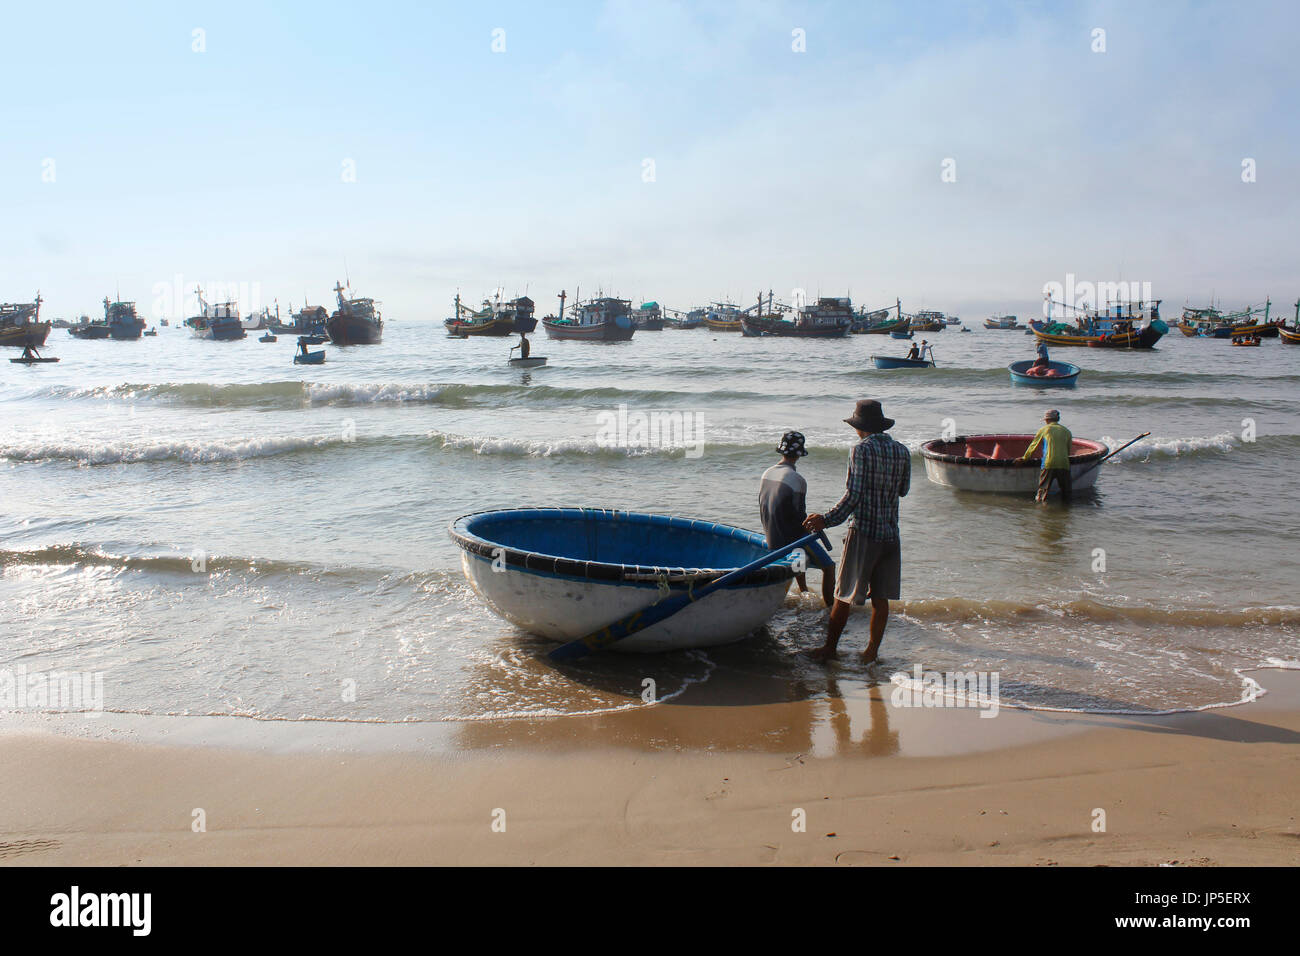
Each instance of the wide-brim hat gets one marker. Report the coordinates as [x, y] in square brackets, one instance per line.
[868, 417]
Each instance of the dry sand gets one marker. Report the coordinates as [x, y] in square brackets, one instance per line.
[875, 784]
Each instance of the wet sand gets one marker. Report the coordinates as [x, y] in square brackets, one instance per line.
[872, 783]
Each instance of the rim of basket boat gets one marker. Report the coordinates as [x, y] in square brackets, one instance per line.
[641, 574]
[1025, 364]
[1101, 452]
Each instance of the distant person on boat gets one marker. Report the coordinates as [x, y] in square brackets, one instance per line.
[1042, 359]
[1055, 439]
[782, 503]
[915, 353]
[880, 473]
[523, 346]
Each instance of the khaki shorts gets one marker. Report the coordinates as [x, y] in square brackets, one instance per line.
[868, 569]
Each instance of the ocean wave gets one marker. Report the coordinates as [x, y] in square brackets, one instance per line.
[188, 452]
[1085, 610]
[294, 394]
[164, 561]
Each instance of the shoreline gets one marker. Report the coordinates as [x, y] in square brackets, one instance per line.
[677, 784]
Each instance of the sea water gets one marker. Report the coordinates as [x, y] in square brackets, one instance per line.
[220, 532]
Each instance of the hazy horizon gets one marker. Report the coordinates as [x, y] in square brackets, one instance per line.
[956, 157]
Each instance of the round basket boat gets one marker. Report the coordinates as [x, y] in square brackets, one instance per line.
[989, 463]
[563, 573]
[1067, 375]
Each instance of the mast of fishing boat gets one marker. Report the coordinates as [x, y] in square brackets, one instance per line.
[561, 315]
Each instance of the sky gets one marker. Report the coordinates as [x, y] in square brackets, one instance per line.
[958, 156]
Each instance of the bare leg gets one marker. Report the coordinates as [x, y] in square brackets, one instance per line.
[879, 618]
[828, 585]
[803, 581]
[834, 628]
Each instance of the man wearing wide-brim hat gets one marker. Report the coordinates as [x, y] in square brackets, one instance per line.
[880, 472]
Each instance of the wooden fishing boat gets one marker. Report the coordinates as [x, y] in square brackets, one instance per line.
[218, 321]
[1290, 336]
[1003, 323]
[992, 463]
[21, 325]
[603, 319]
[1061, 375]
[268, 337]
[684, 320]
[1119, 326]
[648, 317]
[901, 335]
[309, 320]
[892, 362]
[724, 317]
[563, 573]
[928, 322]
[827, 318]
[356, 321]
[495, 318]
[121, 322]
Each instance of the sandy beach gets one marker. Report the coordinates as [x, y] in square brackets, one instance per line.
[872, 783]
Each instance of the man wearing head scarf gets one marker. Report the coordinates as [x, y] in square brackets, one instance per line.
[1055, 439]
[782, 497]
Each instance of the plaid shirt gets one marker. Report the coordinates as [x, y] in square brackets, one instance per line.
[880, 472]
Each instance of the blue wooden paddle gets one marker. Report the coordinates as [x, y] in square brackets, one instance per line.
[647, 616]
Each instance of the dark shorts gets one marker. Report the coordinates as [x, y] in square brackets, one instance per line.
[869, 569]
[1059, 475]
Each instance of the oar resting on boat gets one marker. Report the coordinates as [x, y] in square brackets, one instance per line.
[640, 620]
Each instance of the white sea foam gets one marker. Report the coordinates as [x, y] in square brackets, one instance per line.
[192, 452]
[1162, 447]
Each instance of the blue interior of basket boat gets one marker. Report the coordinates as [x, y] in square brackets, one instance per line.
[617, 537]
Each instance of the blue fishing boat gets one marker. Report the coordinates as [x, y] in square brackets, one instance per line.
[1059, 374]
[890, 362]
[564, 573]
[901, 335]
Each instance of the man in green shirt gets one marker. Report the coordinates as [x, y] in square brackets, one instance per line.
[1055, 439]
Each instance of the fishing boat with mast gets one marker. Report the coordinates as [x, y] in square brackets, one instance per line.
[1119, 326]
[676, 319]
[217, 321]
[356, 321]
[21, 325]
[928, 322]
[1003, 323]
[1291, 335]
[883, 325]
[120, 322]
[308, 321]
[602, 319]
[648, 317]
[495, 318]
[261, 320]
[827, 318]
[724, 317]
[1211, 323]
